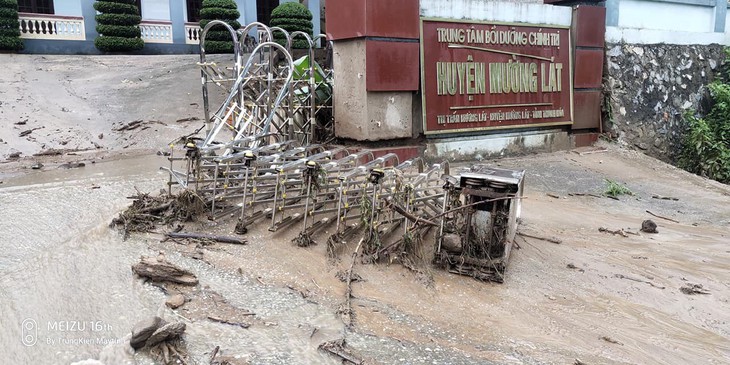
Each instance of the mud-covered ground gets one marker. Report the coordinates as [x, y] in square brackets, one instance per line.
[56, 109]
[597, 297]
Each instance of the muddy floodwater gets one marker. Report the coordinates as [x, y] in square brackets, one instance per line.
[67, 293]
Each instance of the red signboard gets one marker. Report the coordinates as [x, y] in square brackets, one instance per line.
[479, 76]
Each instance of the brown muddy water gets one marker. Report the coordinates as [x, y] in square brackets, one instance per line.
[67, 292]
[597, 297]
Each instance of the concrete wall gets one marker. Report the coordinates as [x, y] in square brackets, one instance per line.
[365, 115]
[682, 22]
[649, 89]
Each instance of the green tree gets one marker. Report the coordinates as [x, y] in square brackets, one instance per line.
[218, 39]
[118, 26]
[292, 17]
[706, 147]
[9, 26]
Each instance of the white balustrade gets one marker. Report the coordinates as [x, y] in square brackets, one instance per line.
[192, 33]
[49, 26]
[154, 31]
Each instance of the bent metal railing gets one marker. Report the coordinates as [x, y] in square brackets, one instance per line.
[261, 160]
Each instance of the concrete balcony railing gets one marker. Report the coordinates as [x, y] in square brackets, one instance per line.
[156, 31]
[49, 26]
[192, 33]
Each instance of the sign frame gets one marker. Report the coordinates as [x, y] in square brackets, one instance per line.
[432, 133]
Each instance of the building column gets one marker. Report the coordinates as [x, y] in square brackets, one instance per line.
[89, 14]
[720, 14]
[612, 13]
[177, 18]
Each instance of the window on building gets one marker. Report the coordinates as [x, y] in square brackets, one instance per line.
[194, 10]
[139, 6]
[263, 10]
[36, 6]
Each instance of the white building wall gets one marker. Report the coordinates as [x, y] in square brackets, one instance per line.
[642, 14]
[155, 9]
[681, 22]
[67, 7]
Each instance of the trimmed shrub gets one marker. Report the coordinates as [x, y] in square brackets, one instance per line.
[218, 39]
[292, 17]
[291, 21]
[119, 30]
[9, 26]
[118, 26]
[291, 10]
[115, 8]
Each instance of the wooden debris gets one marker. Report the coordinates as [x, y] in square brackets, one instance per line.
[204, 236]
[692, 289]
[188, 119]
[338, 348]
[28, 131]
[660, 197]
[413, 218]
[620, 276]
[157, 270]
[619, 232]
[611, 340]
[572, 266]
[347, 311]
[548, 239]
[659, 216]
[553, 195]
[226, 321]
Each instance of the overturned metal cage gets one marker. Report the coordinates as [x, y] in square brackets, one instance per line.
[265, 157]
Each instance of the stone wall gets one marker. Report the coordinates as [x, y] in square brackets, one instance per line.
[650, 87]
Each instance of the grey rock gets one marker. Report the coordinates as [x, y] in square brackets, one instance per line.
[712, 63]
[175, 301]
[648, 226]
[143, 330]
[452, 243]
[614, 52]
[166, 332]
[642, 146]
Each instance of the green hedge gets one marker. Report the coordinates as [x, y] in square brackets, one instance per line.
[118, 44]
[118, 19]
[218, 40]
[9, 26]
[291, 21]
[118, 26]
[225, 4]
[293, 28]
[132, 2]
[8, 13]
[292, 17]
[291, 10]
[115, 8]
[219, 13]
[125, 31]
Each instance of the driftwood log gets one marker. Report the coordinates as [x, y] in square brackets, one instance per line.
[203, 236]
[161, 270]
